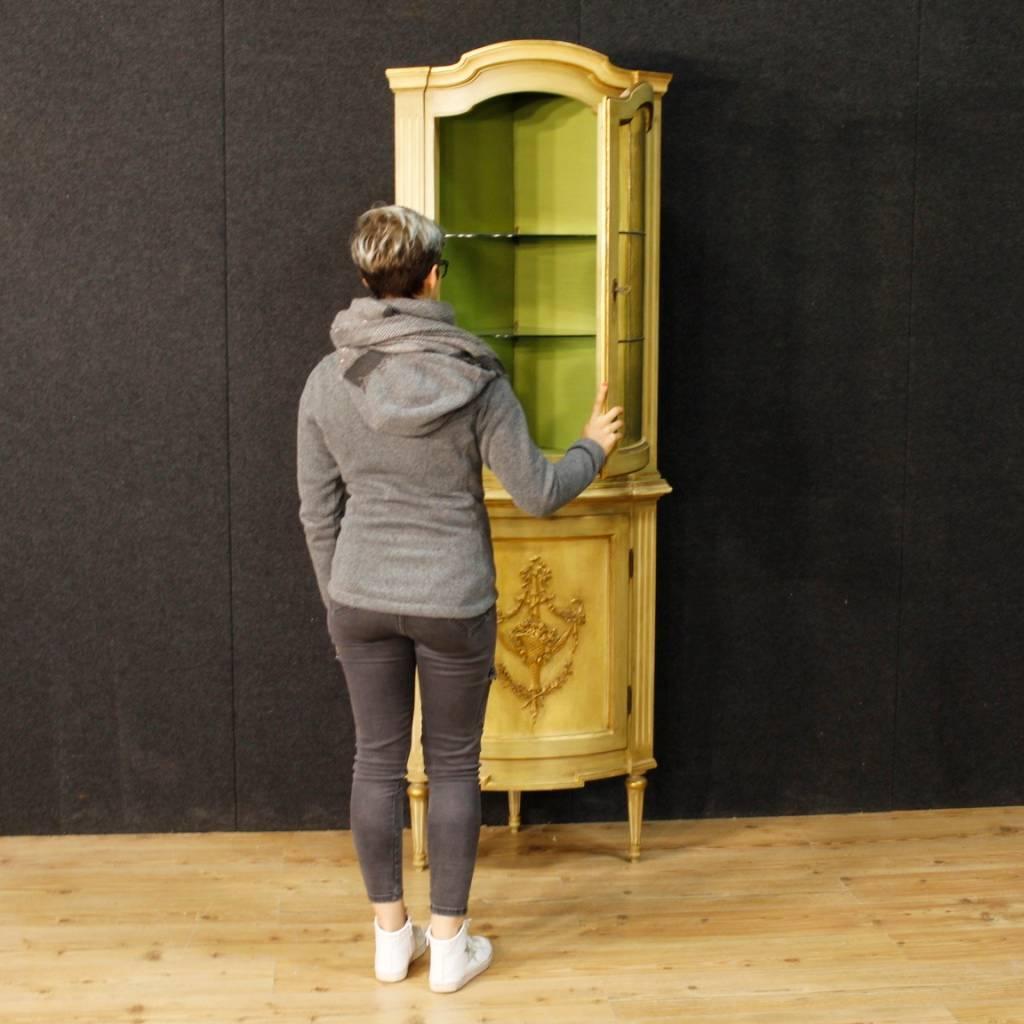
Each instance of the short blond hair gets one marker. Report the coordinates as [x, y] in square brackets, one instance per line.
[394, 249]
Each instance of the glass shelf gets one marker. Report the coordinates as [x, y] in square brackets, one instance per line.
[530, 332]
[517, 236]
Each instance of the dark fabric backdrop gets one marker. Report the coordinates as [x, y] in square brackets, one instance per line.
[840, 566]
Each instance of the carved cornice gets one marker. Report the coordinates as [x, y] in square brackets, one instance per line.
[541, 55]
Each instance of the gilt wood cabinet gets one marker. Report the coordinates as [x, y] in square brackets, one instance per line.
[541, 161]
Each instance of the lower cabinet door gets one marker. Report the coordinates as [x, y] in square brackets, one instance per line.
[563, 645]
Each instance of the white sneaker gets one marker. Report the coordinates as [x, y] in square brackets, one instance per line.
[455, 961]
[396, 950]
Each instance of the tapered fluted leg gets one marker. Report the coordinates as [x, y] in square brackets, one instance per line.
[418, 813]
[514, 796]
[635, 786]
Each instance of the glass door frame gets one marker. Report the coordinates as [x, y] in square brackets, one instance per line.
[614, 112]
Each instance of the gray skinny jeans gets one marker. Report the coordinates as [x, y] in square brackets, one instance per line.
[379, 653]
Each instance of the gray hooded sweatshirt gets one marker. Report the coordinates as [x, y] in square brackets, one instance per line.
[394, 428]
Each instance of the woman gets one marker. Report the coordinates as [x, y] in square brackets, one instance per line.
[394, 428]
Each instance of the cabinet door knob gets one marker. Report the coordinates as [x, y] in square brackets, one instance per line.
[620, 289]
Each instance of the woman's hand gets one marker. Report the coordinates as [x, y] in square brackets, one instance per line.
[604, 427]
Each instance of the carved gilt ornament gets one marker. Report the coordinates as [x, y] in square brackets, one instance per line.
[535, 642]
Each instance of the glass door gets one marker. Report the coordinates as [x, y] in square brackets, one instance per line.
[627, 128]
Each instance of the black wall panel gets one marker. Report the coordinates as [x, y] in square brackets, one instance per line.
[961, 703]
[786, 234]
[840, 591]
[114, 597]
[309, 146]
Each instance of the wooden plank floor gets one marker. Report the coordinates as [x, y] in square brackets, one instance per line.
[908, 918]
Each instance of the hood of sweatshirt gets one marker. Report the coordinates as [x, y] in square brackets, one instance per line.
[405, 364]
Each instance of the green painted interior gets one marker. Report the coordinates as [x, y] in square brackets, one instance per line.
[554, 166]
[505, 350]
[526, 165]
[474, 158]
[556, 285]
[555, 379]
[480, 283]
